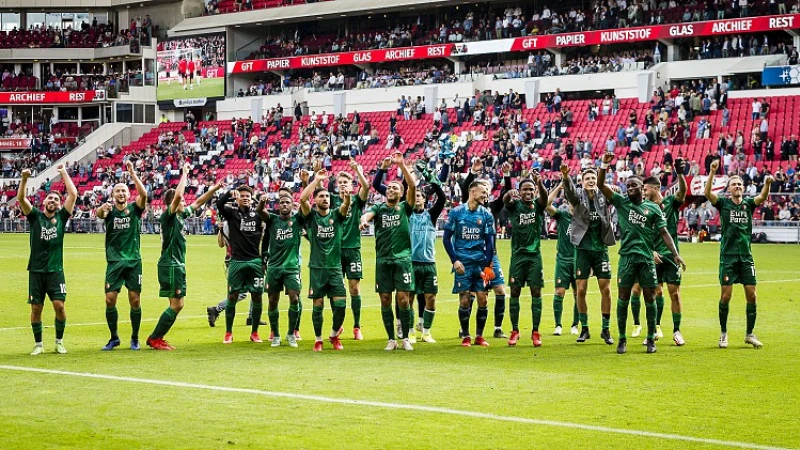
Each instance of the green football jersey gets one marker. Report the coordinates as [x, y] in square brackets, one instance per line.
[392, 231]
[737, 226]
[565, 251]
[638, 225]
[526, 227]
[351, 236]
[325, 235]
[670, 206]
[123, 229]
[173, 241]
[284, 240]
[593, 239]
[47, 240]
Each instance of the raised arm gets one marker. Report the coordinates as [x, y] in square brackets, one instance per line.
[102, 211]
[411, 190]
[261, 208]
[363, 191]
[601, 177]
[671, 246]
[344, 208]
[366, 218]
[72, 191]
[176, 201]
[552, 197]
[764, 195]
[220, 238]
[712, 197]
[477, 166]
[141, 197]
[208, 195]
[438, 205]
[543, 200]
[568, 186]
[682, 187]
[377, 182]
[320, 177]
[510, 197]
[24, 203]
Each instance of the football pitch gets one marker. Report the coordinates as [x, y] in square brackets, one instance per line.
[209, 87]
[440, 396]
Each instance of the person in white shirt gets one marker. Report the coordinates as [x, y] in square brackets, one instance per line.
[756, 109]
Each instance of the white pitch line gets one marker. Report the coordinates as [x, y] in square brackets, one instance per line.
[525, 294]
[396, 406]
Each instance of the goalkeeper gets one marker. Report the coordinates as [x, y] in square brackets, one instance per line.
[469, 241]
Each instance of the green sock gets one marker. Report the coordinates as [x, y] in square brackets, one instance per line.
[723, 317]
[584, 319]
[388, 320]
[427, 319]
[339, 309]
[676, 322]
[513, 308]
[136, 322]
[536, 312]
[230, 314]
[650, 313]
[660, 308]
[164, 323]
[622, 317]
[355, 305]
[606, 321]
[61, 324]
[294, 315]
[636, 306]
[575, 313]
[299, 315]
[751, 317]
[273, 316]
[37, 332]
[558, 308]
[406, 315]
[316, 319]
[258, 307]
[112, 316]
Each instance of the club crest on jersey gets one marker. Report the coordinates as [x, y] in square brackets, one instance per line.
[397, 208]
[178, 292]
[579, 272]
[53, 220]
[330, 221]
[479, 221]
[289, 223]
[252, 213]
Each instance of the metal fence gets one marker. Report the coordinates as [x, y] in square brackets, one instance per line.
[194, 225]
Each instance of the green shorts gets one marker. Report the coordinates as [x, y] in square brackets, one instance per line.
[246, 276]
[636, 269]
[426, 281]
[280, 279]
[737, 271]
[565, 274]
[326, 283]
[50, 284]
[590, 262]
[172, 281]
[351, 263]
[668, 272]
[527, 269]
[124, 273]
[394, 275]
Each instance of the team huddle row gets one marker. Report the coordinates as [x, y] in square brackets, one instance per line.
[264, 253]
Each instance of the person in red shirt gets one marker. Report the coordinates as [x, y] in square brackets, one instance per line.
[190, 73]
[198, 71]
[182, 71]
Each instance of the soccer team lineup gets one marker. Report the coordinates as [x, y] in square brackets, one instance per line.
[263, 256]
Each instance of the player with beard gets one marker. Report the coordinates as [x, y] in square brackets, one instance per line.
[123, 222]
[526, 218]
[666, 270]
[246, 273]
[498, 284]
[393, 268]
[736, 263]
[565, 263]
[172, 263]
[469, 237]
[640, 221]
[351, 240]
[325, 228]
[46, 263]
[283, 268]
[592, 235]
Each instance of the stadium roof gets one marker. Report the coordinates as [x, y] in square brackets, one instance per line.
[303, 13]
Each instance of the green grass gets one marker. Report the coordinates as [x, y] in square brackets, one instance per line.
[209, 87]
[739, 394]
